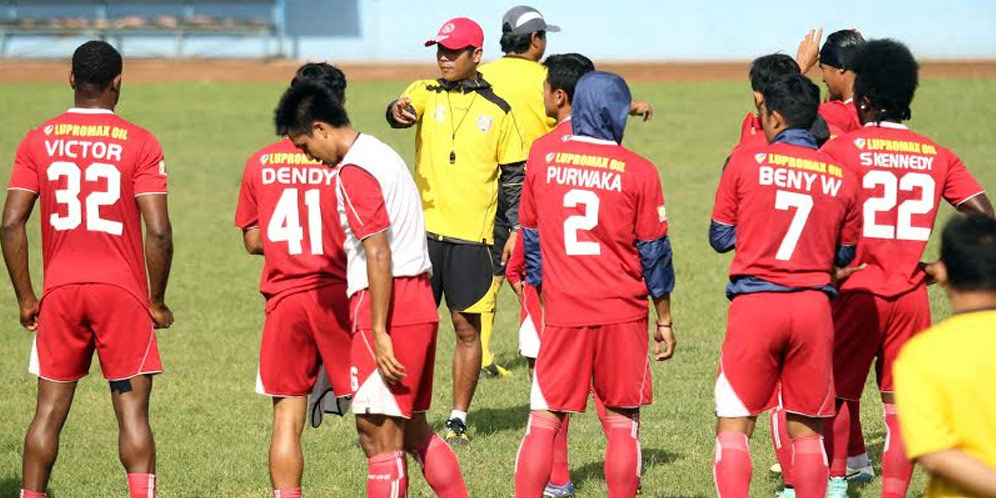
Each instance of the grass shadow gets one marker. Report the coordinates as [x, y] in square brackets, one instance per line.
[594, 471]
[11, 486]
[486, 421]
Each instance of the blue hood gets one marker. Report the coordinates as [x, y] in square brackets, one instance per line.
[600, 106]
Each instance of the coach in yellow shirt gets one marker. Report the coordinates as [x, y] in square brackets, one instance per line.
[467, 150]
[946, 376]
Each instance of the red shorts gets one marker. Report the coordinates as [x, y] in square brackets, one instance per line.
[302, 331]
[611, 360]
[77, 319]
[415, 348]
[774, 338]
[869, 327]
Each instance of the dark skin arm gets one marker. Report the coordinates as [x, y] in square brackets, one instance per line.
[158, 255]
[979, 204]
[253, 240]
[14, 238]
[664, 342]
[380, 278]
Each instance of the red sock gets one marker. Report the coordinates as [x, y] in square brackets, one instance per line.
[732, 466]
[287, 493]
[386, 475]
[623, 456]
[810, 465]
[782, 442]
[440, 468]
[560, 475]
[897, 470]
[856, 441]
[31, 494]
[142, 485]
[535, 458]
[835, 434]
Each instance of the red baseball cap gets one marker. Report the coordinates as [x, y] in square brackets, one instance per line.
[457, 33]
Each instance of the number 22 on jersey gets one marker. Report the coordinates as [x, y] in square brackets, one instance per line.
[285, 224]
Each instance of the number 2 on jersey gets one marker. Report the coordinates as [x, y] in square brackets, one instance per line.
[285, 224]
[803, 204]
[589, 201]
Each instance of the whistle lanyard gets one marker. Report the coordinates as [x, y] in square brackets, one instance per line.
[458, 125]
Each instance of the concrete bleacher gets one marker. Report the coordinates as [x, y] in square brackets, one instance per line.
[117, 21]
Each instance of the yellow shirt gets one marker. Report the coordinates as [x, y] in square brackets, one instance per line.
[946, 392]
[463, 136]
[520, 82]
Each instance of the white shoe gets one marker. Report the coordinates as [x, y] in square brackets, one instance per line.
[776, 468]
[837, 488]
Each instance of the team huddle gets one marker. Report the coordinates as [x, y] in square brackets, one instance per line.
[520, 175]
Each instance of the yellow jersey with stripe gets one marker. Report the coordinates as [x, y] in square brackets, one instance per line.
[520, 82]
[465, 133]
[944, 389]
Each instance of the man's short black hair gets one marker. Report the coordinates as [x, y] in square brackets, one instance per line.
[564, 70]
[95, 65]
[768, 68]
[839, 49]
[517, 44]
[968, 250]
[304, 104]
[795, 97]
[324, 74]
[887, 75]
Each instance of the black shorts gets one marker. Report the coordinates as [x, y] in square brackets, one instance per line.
[462, 272]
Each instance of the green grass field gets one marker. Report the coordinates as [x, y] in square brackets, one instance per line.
[212, 430]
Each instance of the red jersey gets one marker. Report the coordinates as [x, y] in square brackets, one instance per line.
[752, 134]
[841, 116]
[287, 196]
[903, 177]
[87, 167]
[597, 199]
[515, 269]
[791, 207]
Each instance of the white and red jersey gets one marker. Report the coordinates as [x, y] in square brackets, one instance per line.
[903, 176]
[377, 193]
[87, 167]
[287, 196]
[792, 207]
[597, 199]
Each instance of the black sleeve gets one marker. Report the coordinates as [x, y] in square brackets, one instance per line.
[510, 191]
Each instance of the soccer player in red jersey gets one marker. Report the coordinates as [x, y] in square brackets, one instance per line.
[97, 177]
[391, 305]
[904, 176]
[763, 71]
[603, 213]
[283, 200]
[834, 60]
[791, 214]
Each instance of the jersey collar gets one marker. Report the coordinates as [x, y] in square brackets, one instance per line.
[464, 86]
[85, 110]
[796, 136]
[888, 124]
[848, 101]
[591, 140]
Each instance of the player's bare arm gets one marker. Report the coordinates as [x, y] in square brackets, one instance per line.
[379, 274]
[809, 50]
[664, 341]
[14, 239]
[401, 114]
[959, 467]
[978, 204]
[253, 240]
[158, 254]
